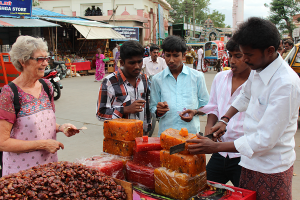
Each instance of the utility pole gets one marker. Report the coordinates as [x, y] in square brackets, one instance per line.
[194, 19]
[114, 11]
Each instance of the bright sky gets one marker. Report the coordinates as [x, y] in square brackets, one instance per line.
[252, 8]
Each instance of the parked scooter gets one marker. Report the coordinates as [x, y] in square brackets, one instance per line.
[61, 68]
[52, 75]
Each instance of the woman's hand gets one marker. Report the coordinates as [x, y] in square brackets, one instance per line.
[68, 129]
[52, 146]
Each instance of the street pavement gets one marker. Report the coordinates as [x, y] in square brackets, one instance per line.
[77, 105]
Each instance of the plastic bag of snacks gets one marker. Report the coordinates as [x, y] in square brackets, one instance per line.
[178, 185]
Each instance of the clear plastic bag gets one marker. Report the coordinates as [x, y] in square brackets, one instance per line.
[111, 165]
[176, 185]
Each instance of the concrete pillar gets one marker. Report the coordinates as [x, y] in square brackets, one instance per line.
[240, 12]
[237, 13]
[75, 7]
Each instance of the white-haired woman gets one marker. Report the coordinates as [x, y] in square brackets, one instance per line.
[29, 138]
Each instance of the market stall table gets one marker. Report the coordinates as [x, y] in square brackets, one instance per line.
[80, 66]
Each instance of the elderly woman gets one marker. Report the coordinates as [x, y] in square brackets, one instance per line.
[28, 138]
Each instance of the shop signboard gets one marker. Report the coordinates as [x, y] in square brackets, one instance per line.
[16, 8]
[130, 33]
[161, 28]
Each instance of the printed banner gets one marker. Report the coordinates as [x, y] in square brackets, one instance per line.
[16, 7]
[161, 22]
[131, 33]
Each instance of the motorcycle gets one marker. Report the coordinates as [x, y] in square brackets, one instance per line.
[60, 67]
[52, 75]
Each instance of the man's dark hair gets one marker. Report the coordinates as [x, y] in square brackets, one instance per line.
[232, 45]
[257, 33]
[153, 47]
[131, 48]
[289, 41]
[174, 43]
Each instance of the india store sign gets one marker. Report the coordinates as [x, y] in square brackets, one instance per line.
[16, 8]
[130, 33]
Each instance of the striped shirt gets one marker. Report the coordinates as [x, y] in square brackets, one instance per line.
[116, 92]
[219, 102]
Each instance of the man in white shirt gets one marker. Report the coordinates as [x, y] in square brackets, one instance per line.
[271, 100]
[200, 58]
[153, 64]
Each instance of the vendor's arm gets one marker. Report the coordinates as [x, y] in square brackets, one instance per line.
[8, 144]
[206, 146]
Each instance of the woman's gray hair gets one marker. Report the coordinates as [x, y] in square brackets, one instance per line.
[24, 48]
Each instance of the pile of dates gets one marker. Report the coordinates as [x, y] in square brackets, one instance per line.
[60, 180]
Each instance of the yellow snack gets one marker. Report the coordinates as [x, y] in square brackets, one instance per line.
[123, 129]
[190, 164]
[116, 147]
[171, 137]
[179, 186]
[183, 132]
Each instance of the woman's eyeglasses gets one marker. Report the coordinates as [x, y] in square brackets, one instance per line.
[41, 59]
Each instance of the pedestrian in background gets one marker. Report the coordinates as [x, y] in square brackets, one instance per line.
[100, 66]
[200, 58]
[288, 45]
[117, 59]
[153, 64]
[189, 57]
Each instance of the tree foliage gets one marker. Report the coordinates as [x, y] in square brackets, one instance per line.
[184, 9]
[282, 12]
[218, 18]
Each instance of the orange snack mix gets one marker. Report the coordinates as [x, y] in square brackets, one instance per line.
[116, 147]
[183, 132]
[123, 129]
[179, 186]
[171, 137]
[190, 164]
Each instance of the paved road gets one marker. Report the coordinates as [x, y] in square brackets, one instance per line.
[77, 105]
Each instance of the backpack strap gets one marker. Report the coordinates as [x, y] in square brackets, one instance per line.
[46, 88]
[17, 104]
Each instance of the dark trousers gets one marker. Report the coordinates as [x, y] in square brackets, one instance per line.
[222, 170]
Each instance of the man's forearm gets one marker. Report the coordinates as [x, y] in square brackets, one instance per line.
[226, 147]
[231, 112]
[211, 120]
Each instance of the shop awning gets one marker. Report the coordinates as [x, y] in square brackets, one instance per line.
[13, 22]
[90, 32]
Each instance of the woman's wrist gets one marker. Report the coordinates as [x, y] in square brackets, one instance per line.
[59, 128]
